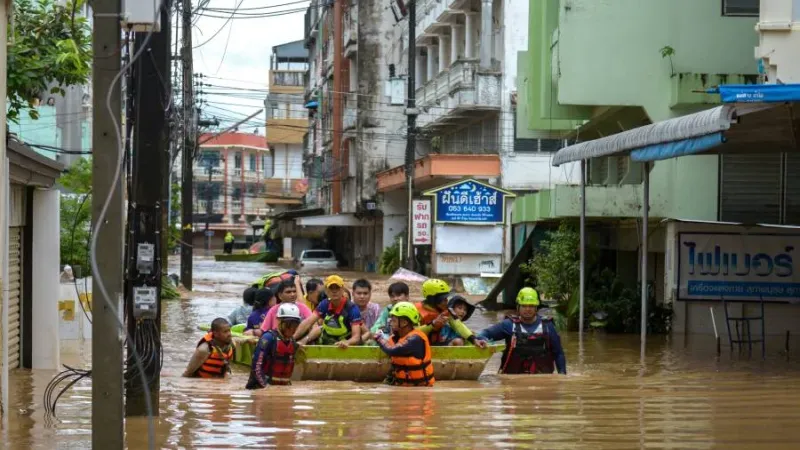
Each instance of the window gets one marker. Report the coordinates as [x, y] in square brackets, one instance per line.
[749, 8]
[237, 161]
[252, 162]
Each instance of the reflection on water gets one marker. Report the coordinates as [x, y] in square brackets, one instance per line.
[678, 399]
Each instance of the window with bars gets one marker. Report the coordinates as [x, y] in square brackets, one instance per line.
[745, 8]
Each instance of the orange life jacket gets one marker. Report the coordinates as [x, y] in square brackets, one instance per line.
[426, 317]
[218, 362]
[409, 370]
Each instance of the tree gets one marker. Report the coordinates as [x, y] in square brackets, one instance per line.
[48, 43]
[76, 214]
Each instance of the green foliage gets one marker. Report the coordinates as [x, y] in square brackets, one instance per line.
[390, 258]
[668, 52]
[555, 268]
[76, 215]
[622, 306]
[48, 43]
[174, 233]
[168, 290]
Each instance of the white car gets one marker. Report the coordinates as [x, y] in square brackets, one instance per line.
[317, 259]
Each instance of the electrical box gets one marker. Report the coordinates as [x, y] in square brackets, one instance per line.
[141, 15]
[145, 303]
[145, 258]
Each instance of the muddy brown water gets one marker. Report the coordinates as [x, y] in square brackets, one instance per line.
[678, 397]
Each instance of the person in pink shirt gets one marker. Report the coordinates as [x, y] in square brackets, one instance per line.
[286, 292]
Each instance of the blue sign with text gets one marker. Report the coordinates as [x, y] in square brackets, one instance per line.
[470, 201]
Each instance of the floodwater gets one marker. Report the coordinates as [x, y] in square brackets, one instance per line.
[675, 398]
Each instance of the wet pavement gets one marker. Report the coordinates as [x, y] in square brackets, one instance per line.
[676, 398]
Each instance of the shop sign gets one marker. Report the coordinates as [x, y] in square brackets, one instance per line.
[469, 201]
[421, 222]
[734, 266]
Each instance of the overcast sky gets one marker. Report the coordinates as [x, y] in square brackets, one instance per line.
[245, 61]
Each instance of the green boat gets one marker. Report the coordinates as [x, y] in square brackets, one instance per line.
[368, 363]
[262, 257]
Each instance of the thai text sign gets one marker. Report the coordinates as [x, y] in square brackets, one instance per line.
[470, 201]
[712, 266]
[421, 222]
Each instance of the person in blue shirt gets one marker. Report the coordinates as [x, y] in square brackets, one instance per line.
[264, 300]
[532, 342]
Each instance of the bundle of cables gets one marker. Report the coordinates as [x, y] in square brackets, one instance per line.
[71, 376]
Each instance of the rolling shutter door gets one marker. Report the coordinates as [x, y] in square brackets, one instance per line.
[792, 189]
[14, 295]
[750, 188]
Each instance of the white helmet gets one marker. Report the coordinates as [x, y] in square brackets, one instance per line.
[288, 311]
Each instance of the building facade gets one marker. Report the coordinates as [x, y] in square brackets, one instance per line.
[356, 110]
[236, 183]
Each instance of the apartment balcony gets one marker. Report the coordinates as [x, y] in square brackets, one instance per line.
[251, 175]
[201, 173]
[350, 31]
[462, 92]
[350, 111]
[436, 14]
[201, 207]
[287, 81]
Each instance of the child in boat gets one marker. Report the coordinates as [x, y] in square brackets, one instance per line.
[273, 359]
[461, 310]
[362, 297]
[263, 302]
[398, 292]
[213, 353]
[286, 293]
[315, 293]
[240, 314]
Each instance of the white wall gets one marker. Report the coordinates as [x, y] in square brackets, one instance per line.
[515, 39]
[46, 288]
[395, 216]
[534, 171]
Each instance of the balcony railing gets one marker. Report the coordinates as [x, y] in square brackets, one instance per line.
[289, 78]
[201, 173]
[461, 86]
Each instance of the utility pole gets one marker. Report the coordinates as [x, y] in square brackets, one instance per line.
[189, 144]
[145, 218]
[411, 142]
[209, 208]
[107, 408]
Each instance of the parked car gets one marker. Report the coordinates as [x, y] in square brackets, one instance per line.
[317, 259]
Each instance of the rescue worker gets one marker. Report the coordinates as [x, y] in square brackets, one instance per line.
[273, 360]
[341, 318]
[434, 314]
[228, 248]
[214, 353]
[408, 348]
[532, 342]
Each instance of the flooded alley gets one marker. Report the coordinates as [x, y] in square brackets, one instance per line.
[677, 399]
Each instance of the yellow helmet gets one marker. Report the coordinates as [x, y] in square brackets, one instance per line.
[528, 296]
[434, 286]
[406, 310]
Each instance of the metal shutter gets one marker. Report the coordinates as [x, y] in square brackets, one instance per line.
[14, 295]
[750, 188]
[792, 175]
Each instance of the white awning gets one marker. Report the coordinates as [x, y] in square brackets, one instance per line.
[334, 220]
[720, 129]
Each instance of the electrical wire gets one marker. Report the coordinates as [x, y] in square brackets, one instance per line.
[72, 247]
[221, 28]
[102, 218]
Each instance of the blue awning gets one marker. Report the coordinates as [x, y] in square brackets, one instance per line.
[678, 148]
[757, 93]
[312, 104]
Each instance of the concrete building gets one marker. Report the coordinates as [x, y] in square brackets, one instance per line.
[356, 109]
[595, 70]
[236, 183]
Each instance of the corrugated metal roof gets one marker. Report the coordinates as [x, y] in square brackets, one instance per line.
[291, 51]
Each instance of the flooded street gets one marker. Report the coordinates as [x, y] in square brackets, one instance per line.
[676, 399]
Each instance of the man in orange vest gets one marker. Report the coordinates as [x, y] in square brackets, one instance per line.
[214, 352]
[408, 348]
